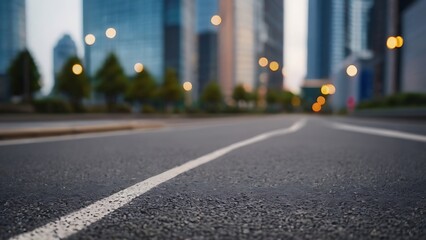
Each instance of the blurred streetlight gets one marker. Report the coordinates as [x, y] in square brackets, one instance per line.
[187, 86]
[77, 69]
[392, 42]
[110, 33]
[263, 62]
[90, 39]
[138, 67]
[274, 66]
[321, 100]
[331, 89]
[216, 20]
[399, 41]
[325, 90]
[316, 107]
[351, 70]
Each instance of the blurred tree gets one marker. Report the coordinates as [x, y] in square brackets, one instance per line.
[74, 86]
[212, 98]
[24, 75]
[286, 98]
[240, 95]
[112, 81]
[171, 91]
[143, 88]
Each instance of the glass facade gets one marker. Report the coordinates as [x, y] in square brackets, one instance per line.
[12, 38]
[207, 42]
[64, 49]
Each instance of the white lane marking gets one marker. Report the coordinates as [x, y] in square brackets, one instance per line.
[80, 219]
[380, 132]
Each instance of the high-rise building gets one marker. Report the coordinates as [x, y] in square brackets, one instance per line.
[64, 49]
[158, 34]
[12, 39]
[250, 29]
[207, 42]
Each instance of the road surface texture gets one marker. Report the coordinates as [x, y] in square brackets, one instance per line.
[279, 177]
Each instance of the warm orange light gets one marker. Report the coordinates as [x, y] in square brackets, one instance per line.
[90, 39]
[263, 62]
[274, 66]
[351, 70]
[138, 67]
[316, 107]
[331, 89]
[295, 101]
[216, 20]
[110, 33]
[399, 41]
[187, 86]
[77, 69]
[321, 100]
[325, 90]
[392, 42]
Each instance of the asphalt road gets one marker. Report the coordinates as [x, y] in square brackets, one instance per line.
[309, 180]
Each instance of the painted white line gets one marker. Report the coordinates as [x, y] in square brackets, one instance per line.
[78, 220]
[379, 132]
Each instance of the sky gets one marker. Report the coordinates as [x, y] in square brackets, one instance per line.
[49, 20]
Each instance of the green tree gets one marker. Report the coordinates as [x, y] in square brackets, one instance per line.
[212, 98]
[286, 99]
[240, 95]
[112, 81]
[143, 88]
[24, 75]
[74, 86]
[171, 91]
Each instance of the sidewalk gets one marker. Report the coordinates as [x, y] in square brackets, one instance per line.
[29, 129]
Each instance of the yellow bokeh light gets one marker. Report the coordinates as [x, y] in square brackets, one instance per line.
[274, 66]
[90, 39]
[392, 42]
[110, 33]
[263, 62]
[325, 90]
[316, 107]
[138, 67]
[187, 86]
[216, 20]
[352, 70]
[77, 69]
[331, 89]
[399, 41]
[321, 100]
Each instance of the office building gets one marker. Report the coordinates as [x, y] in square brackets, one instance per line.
[64, 49]
[158, 34]
[12, 39]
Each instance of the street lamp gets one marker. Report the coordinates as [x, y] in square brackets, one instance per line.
[110, 33]
[77, 69]
[216, 20]
[352, 70]
[138, 67]
[187, 86]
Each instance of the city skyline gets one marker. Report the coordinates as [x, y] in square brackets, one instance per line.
[41, 45]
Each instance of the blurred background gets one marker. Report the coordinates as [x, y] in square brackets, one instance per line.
[212, 56]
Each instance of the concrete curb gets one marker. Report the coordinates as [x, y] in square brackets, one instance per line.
[57, 131]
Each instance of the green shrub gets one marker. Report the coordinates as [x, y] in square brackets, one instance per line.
[52, 105]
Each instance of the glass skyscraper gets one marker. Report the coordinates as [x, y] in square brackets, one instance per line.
[12, 39]
[159, 34]
[64, 49]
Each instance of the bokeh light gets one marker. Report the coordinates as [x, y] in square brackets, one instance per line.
[325, 90]
[77, 69]
[392, 42]
[352, 70]
[316, 107]
[399, 41]
[274, 66]
[321, 100]
[110, 33]
[263, 62]
[216, 20]
[331, 89]
[187, 86]
[138, 67]
[90, 39]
